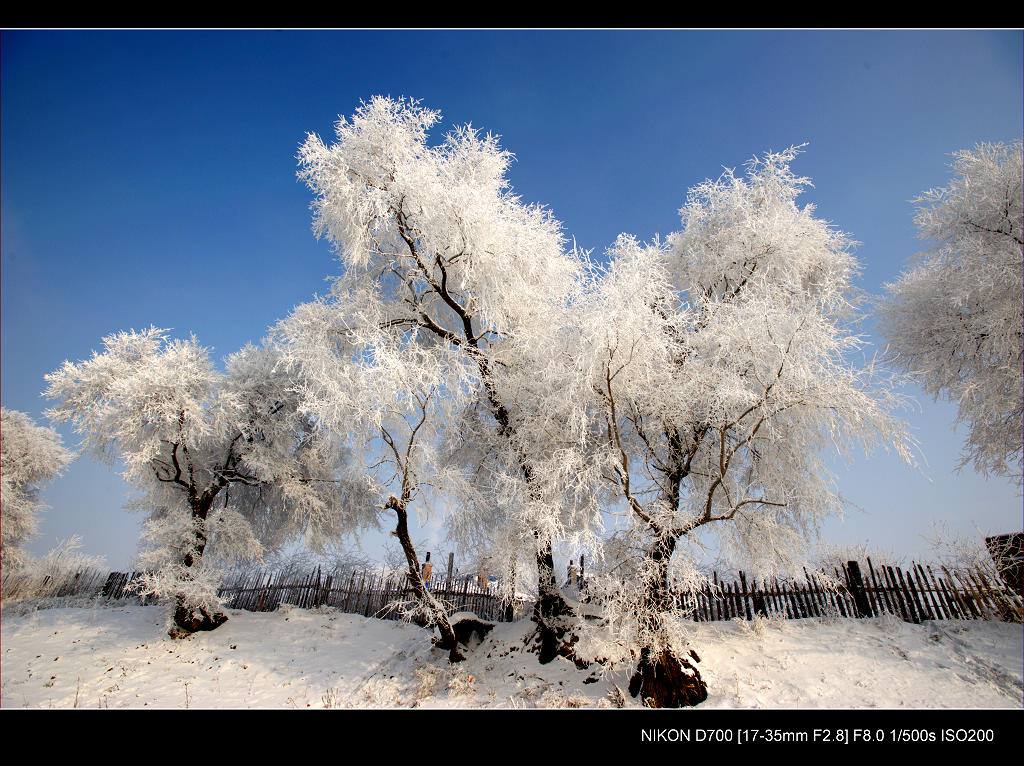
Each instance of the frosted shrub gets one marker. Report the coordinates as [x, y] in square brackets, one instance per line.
[830, 614]
[64, 572]
[427, 677]
[831, 556]
[559, 699]
[756, 626]
[889, 623]
[629, 622]
[959, 552]
[460, 683]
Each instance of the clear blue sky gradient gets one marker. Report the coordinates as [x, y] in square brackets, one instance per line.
[148, 177]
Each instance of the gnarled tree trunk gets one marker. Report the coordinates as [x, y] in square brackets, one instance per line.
[188, 621]
[665, 679]
[668, 680]
[551, 610]
[437, 615]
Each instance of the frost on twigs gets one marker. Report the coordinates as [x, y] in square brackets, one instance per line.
[64, 576]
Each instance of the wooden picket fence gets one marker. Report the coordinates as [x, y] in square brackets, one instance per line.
[372, 594]
[912, 594]
[120, 586]
[19, 585]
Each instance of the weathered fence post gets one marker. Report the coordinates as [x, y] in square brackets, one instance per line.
[758, 606]
[110, 585]
[856, 582]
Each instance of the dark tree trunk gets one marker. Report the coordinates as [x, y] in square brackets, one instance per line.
[663, 678]
[188, 621]
[551, 607]
[551, 610]
[666, 680]
[437, 614]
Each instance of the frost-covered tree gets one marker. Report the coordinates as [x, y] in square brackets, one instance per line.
[437, 252]
[224, 463]
[954, 318]
[393, 401]
[722, 363]
[30, 456]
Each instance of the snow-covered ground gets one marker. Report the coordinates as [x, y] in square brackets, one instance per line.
[103, 656]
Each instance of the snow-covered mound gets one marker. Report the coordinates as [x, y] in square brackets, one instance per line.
[121, 657]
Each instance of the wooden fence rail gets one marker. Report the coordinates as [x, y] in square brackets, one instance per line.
[914, 594]
[372, 594]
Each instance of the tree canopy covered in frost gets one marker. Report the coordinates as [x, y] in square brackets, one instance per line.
[724, 373]
[30, 456]
[454, 289]
[955, 316]
[224, 463]
[728, 357]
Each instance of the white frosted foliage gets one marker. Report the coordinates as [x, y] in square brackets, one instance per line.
[445, 317]
[726, 372]
[224, 464]
[954, 318]
[30, 456]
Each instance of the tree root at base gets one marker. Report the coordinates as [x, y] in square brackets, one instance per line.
[668, 681]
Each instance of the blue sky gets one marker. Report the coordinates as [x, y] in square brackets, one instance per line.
[148, 177]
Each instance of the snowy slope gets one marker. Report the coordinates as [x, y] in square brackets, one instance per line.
[103, 656]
